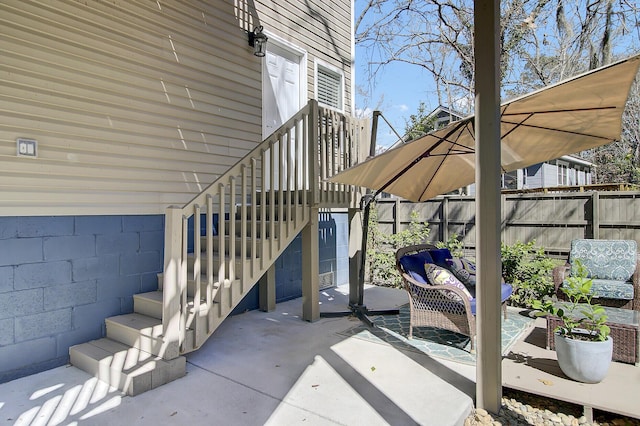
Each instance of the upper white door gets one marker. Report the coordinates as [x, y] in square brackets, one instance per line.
[281, 86]
[283, 94]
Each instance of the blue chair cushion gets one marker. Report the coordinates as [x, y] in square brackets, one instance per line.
[413, 264]
[505, 293]
[611, 289]
[440, 256]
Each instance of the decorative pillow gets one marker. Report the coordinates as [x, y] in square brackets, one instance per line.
[463, 269]
[440, 276]
[440, 256]
[413, 264]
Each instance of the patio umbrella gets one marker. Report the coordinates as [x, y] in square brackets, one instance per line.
[571, 116]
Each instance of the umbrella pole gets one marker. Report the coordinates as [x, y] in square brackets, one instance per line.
[359, 309]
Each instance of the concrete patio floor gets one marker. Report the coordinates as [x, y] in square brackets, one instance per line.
[267, 368]
[273, 368]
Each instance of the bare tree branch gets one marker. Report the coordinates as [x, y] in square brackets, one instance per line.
[542, 42]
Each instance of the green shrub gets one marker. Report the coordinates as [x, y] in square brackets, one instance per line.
[529, 270]
[454, 245]
[382, 247]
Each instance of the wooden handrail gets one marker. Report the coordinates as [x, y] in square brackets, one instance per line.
[269, 192]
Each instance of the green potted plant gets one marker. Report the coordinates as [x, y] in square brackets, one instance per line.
[583, 345]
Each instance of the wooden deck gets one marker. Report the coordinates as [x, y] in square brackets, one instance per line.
[531, 368]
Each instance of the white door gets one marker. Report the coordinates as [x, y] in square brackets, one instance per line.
[281, 98]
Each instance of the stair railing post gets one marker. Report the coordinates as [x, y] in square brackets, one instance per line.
[244, 182]
[197, 275]
[314, 176]
[172, 282]
[209, 226]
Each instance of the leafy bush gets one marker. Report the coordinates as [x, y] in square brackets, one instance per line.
[454, 245]
[529, 270]
[382, 247]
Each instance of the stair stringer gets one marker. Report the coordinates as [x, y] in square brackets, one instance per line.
[230, 294]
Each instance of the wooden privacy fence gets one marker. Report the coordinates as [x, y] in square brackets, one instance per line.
[552, 220]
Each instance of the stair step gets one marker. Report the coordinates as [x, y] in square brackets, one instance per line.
[150, 304]
[128, 369]
[267, 212]
[138, 331]
[216, 265]
[191, 285]
[294, 197]
[238, 242]
[238, 231]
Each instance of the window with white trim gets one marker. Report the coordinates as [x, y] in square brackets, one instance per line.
[329, 87]
[563, 169]
[510, 180]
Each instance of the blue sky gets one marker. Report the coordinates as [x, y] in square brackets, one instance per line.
[398, 88]
[396, 92]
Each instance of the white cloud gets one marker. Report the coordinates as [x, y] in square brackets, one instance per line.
[402, 107]
[464, 104]
[364, 113]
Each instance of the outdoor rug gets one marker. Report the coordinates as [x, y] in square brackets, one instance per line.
[437, 342]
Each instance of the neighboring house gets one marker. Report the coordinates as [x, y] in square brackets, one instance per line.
[442, 116]
[567, 170]
[113, 111]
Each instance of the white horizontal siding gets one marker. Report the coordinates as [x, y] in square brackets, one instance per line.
[140, 104]
[535, 180]
[135, 105]
[549, 175]
[322, 28]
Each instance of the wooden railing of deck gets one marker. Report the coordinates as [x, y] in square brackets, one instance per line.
[265, 199]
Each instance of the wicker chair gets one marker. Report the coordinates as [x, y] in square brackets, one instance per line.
[610, 263]
[441, 306]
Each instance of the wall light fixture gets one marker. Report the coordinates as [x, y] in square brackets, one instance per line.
[258, 40]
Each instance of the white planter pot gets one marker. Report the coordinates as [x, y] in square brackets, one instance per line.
[582, 360]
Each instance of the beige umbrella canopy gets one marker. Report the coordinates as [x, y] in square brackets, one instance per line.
[568, 117]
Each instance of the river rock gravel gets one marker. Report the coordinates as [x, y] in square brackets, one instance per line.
[521, 408]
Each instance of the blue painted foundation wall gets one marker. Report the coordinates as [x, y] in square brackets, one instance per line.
[334, 257]
[61, 276]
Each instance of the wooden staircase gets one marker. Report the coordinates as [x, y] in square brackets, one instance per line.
[223, 242]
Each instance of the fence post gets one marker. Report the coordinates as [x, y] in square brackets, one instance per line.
[444, 231]
[595, 214]
[396, 216]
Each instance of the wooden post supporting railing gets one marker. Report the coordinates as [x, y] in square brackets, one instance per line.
[210, 283]
[310, 269]
[197, 269]
[312, 152]
[172, 286]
